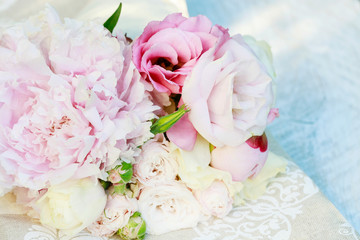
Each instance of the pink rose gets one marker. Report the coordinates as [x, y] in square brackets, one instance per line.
[229, 94]
[215, 200]
[116, 215]
[167, 50]
[114, 176]
[243, 161]
[72, 102]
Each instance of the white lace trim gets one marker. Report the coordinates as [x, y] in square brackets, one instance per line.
[37, 232]
[268, 217]
[346, 229]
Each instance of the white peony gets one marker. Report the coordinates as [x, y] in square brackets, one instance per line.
[71, 206]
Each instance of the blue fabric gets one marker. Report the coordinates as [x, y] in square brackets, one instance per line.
[316, 50]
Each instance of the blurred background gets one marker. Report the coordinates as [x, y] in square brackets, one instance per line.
[316, 48]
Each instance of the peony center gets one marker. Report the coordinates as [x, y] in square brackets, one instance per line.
[59, 124]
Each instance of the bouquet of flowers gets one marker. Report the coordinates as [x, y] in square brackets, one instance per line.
[125, 137]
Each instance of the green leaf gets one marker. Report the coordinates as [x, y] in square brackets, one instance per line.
[126, 177]
[126, 166]
[112, 21]
[105, 184]
[142, 231]
[166, 122]
[125, 170]
[136, 214]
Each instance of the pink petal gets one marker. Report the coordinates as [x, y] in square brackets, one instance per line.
[199, 23]
[274, 113]
[183, 134]
[241, 162]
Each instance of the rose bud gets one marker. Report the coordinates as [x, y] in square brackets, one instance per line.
[134, 229]
[121, 173]
[244, 161]
[166, 122]
[215, 200]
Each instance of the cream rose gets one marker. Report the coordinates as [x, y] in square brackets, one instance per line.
[168, 207]
[156, 163]
[194, 169]
[229, 93]
[215, 200]
[116, 215]
[72, 205]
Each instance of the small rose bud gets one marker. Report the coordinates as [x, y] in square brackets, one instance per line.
[243, 161]
[134, 229]
[166, 122]
[121, 173]
[114, 176]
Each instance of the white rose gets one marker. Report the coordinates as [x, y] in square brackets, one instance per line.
[168, 207]
[71, 206]
[156, 163]
[215, 200]
[116, 215]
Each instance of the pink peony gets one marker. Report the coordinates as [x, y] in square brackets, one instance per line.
[72, 102]
[229, 94]
[243, 161]
[167, 50]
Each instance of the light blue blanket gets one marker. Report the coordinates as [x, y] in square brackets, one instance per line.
[316, 46]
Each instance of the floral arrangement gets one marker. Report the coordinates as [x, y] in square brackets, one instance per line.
[125, 137]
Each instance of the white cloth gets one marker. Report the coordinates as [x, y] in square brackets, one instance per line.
[317, 55]
[134, 15]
